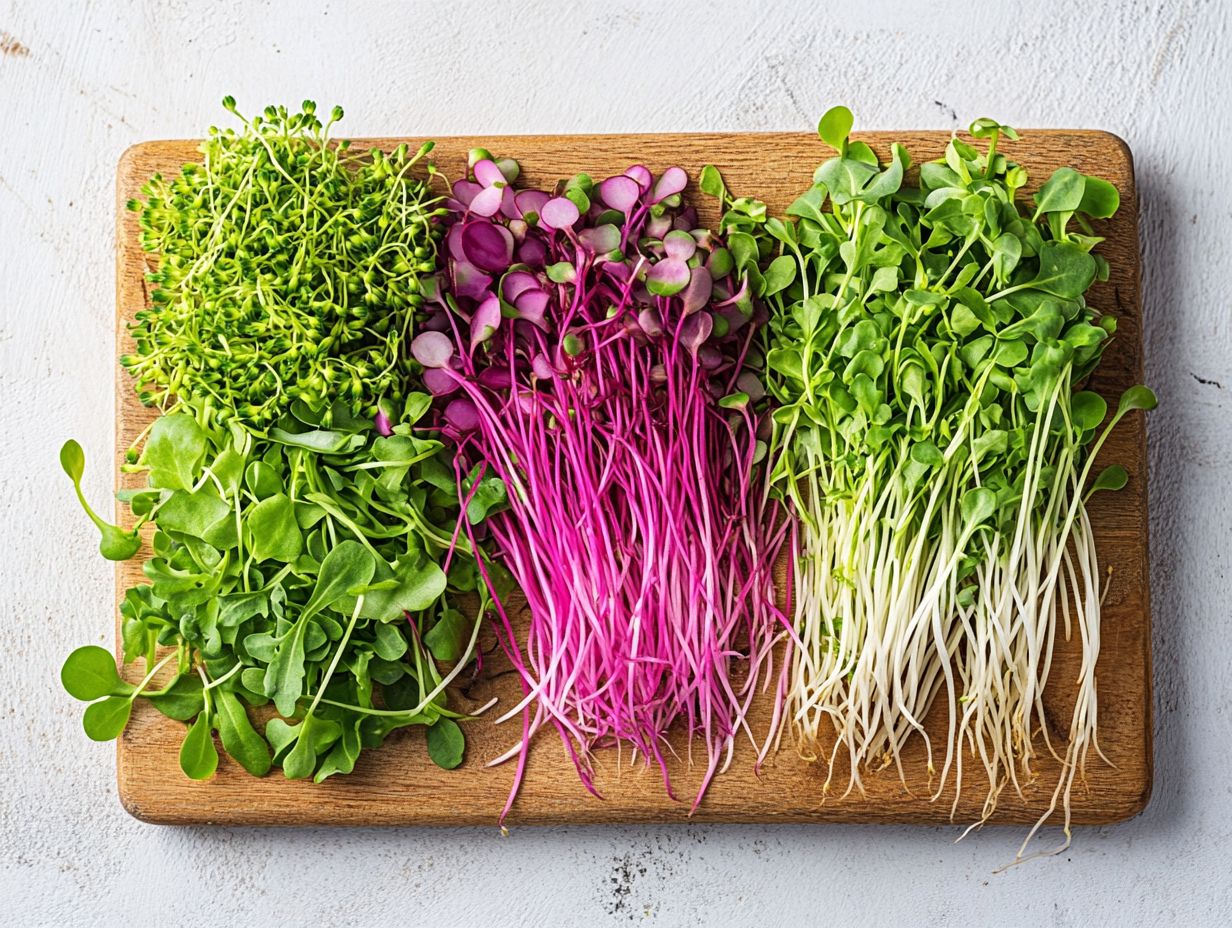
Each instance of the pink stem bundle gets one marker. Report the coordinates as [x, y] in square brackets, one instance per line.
[593, 354]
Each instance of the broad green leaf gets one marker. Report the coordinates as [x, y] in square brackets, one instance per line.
[238, 736]
[1114, 477]
[193, 513]
[198, 756]
[173, 451]
[1087, 410]
[448, 637]
[228, 467]
[313, 737]
[743, 249]
[322, 441]
[1061, 193]
[1065, 270]
[281, 735]
[927, 453]
[977, 506]
[73, 460]
[835, 126]
[348, 566]
[234, 608]
[489, 497]
[711, 181]
[89, 673]
[104, 720]
[720, 263]
[342, 756]
[738, 400]
[1006, 253]
[888, 181]
[1009, 353]
[1100, 199]
[418, 583]
[844, 178]
[808, 205]
[262, 480]
[962, 320]
[273, 532]
[388, 642]
[284, 676]
[884, 280]
[446, 744]
[779, 275]
[415, 407]
[183, 700]
[991, 442]
[1136, 397]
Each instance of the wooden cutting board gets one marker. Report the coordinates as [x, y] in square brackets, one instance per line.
[398, 784]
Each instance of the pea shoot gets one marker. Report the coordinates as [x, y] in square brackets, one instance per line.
[927, 346]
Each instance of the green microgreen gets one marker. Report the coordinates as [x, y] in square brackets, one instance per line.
[288, 270]
[926, 348]
[307, 549]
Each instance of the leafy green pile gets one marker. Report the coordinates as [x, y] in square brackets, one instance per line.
[926, 348]
[285, 571]
[306, 553]
[288, 271]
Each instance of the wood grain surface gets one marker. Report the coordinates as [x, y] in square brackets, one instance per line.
[398, 785]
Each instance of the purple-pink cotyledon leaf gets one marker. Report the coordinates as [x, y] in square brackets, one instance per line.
[585, 371]
[669, 276]
[641, 174]
[698, 290]
[485, 321]
[488, 174]
[432, 349]
[530, 201]
[487, 202]
[620, 193]
[680, 245]
[487, 245]
[672, 181]
[559, 213]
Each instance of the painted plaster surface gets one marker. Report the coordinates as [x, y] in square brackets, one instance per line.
[80, 81]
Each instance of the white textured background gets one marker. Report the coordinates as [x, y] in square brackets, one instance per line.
[81, 81]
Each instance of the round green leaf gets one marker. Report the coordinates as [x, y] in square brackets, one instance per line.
[273, 533]
[115, 544]
[173, 451]
[1110, 478]
[73, 460]
[711, 181]
[103, 721]
[1100, 199]
[1062, 192]
[90, 673]
[198, 756]
[835, 125]
[977, 506]
[446, 744]
[1136, 397]
[927, 453]
[1087, 410]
